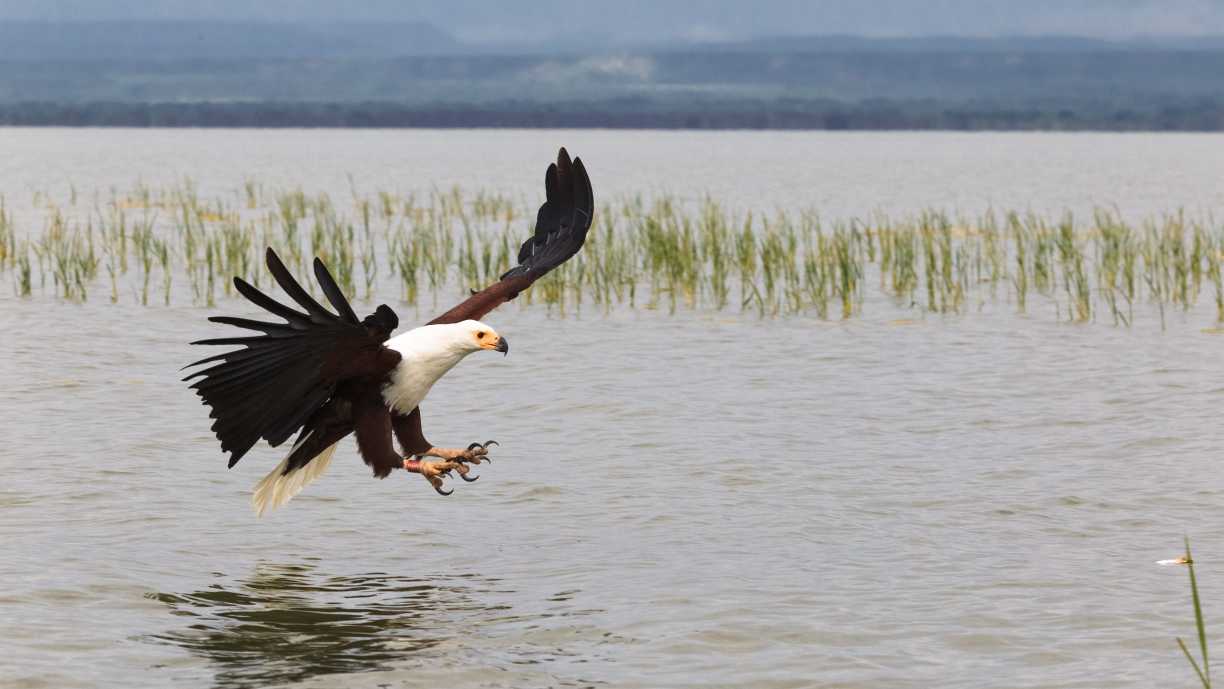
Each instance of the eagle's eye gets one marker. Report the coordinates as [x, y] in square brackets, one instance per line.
[480, 335]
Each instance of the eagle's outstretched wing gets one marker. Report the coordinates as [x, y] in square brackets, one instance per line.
[271, 385]
[560, 230]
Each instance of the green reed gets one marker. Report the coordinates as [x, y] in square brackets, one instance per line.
[8, 237]
[23, 272]
[1201, 669]
[1075, 278]
[67, 252]
[657, 252]
[1024, 265]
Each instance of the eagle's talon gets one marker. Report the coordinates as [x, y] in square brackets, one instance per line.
[434, 472]
[474, 454]
[463, 470]
[451, 460]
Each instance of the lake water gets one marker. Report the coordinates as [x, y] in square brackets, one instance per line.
[699, 499]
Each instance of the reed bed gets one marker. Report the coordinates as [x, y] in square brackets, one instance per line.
[170, 245]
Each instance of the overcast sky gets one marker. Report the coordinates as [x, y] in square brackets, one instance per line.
[650, 20]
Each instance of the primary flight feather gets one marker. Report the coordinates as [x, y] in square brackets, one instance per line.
[323, 375]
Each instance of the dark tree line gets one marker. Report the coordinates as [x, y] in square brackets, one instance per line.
[875, 115]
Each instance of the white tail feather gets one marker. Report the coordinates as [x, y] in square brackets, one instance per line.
[278, 488]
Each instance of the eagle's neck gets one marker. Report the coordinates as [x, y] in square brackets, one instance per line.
[427, 355]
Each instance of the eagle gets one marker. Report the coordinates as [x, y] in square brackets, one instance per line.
[323, 375]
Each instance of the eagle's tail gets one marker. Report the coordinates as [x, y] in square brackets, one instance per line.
[282, 483]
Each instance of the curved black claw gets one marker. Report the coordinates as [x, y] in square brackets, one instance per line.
[443, 492]
[469, 480]
[484, 446]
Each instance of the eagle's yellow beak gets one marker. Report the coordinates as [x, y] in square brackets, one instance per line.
[493, 341]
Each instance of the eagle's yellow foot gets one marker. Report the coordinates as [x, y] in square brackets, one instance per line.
[474, 454]
[434, 472]
[453, 459]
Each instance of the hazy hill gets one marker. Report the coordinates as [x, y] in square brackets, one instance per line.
[402, 74]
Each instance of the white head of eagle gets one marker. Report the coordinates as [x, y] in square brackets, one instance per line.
[429, 352]
[468, 336]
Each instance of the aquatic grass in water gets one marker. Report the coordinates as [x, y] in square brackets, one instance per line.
[8, 237]
[67, 252]
[1201, 669]
[657, 253]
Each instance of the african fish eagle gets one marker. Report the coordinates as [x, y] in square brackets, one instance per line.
[325, 375]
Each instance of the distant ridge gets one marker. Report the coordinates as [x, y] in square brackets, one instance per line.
[251, 74]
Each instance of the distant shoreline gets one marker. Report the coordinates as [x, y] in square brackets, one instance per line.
[886, 116]
[258, 75]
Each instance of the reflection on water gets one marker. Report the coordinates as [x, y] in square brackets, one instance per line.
[289, 622]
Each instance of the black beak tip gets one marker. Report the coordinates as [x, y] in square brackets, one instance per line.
[503, 346]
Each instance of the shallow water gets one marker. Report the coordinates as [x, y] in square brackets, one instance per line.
[699, 499]
[843, 175]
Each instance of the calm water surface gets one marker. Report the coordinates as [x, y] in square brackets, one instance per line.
[701, 499]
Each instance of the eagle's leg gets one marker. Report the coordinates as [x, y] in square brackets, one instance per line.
[452, 459]
[459, 459]
[407, 429]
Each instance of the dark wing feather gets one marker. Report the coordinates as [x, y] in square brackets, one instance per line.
[262, 326]
[561, 228]
[273, 384]
[284, 278]
[267, 303]
[332, 291]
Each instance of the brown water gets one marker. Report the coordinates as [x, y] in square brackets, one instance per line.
[700, 499]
